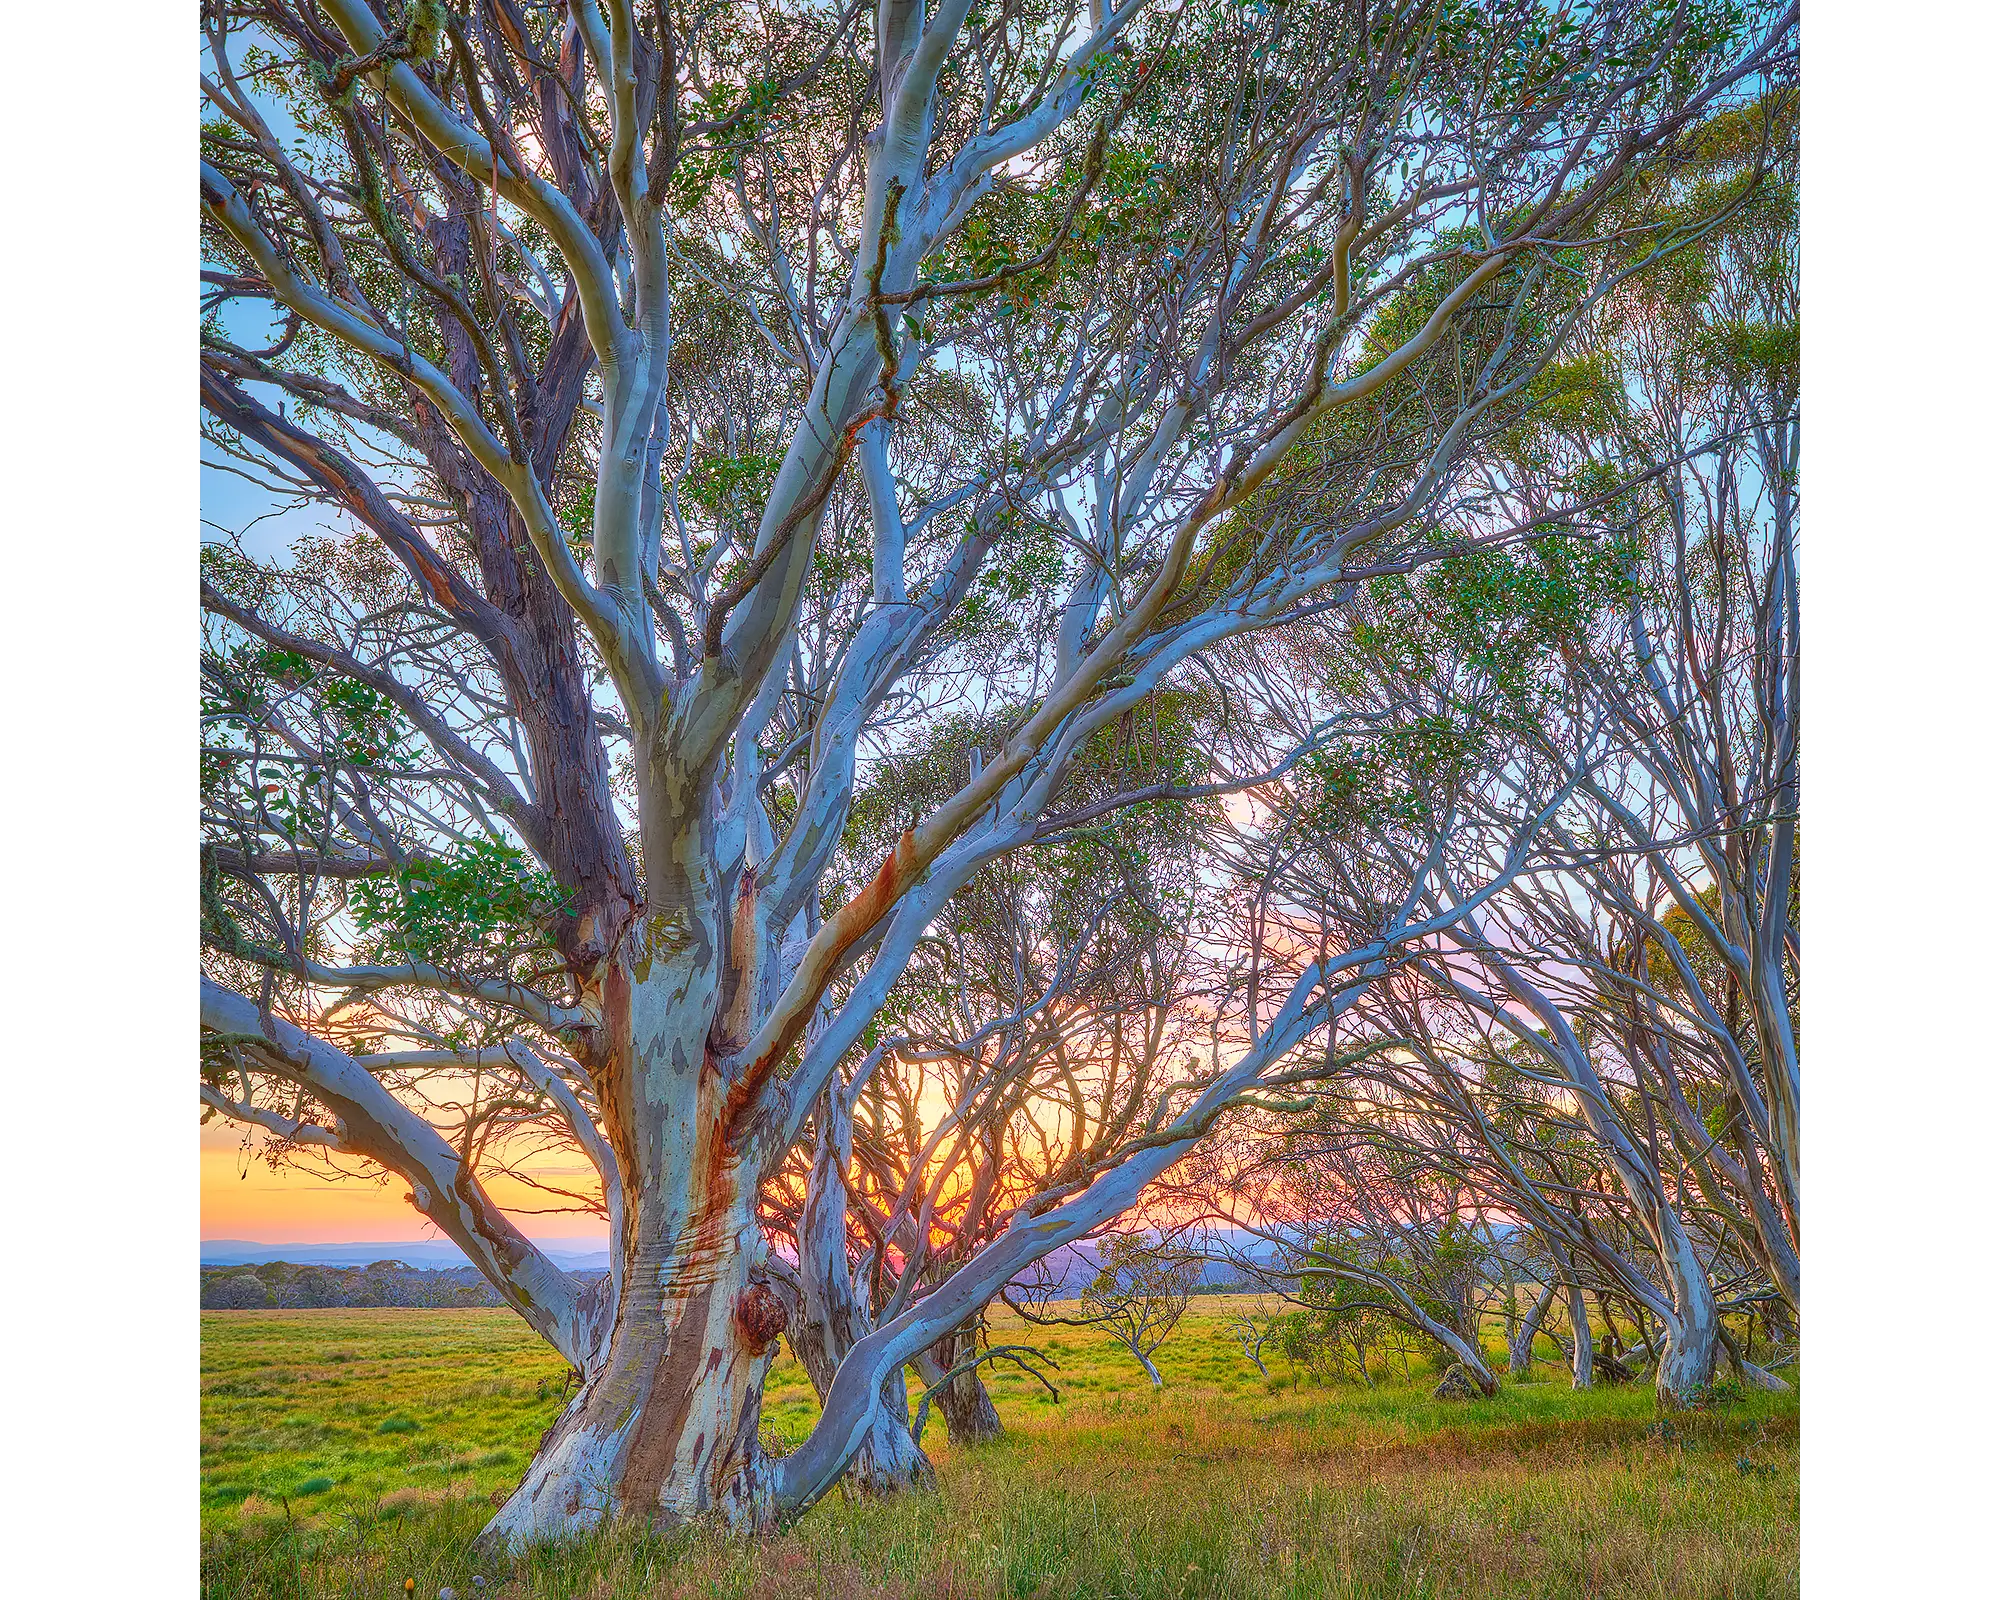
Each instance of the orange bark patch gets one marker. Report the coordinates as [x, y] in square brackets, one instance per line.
[846, 926]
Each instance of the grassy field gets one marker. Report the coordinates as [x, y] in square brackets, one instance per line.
[345, 1451]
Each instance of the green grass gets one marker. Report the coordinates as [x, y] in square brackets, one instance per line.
[1225, 1484]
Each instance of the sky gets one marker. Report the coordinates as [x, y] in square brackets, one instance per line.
[242, 1196]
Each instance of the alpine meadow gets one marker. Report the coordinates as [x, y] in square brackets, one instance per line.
[1087, 716]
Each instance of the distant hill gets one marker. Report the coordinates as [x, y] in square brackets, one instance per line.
[305, 1286]
[1074, 1265]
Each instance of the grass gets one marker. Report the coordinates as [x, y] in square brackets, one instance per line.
[1224, 1484]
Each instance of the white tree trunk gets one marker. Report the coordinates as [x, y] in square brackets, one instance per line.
[1693, 1332]
[1579, 1326]
[1521, 1350]
[834, 1318]
[1688, 1365]
[666, 1428]
[665, 1424]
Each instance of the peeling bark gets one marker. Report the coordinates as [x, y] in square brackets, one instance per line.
[666, 1428]
[665, 1424]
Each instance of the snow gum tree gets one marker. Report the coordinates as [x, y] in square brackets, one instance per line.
[701, 402]
[1139, 1293]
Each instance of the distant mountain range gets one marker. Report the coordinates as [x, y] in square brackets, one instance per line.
[431, 1253]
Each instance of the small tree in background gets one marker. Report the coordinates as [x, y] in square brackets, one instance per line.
[1140, 1294]
[1254, 1330]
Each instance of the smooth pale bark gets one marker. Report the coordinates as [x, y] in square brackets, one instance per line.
[689, 1010]
[669, 1436]
[665, 1424]
[1687, 1365]
[369, 1121]
[1694, 1330]
[664, 1427]
[1320, 997]
[1696, 747]
[1579, 1325]
[667, 1427]
[1521, 1348]
[834, 1318]
[1409, 1310]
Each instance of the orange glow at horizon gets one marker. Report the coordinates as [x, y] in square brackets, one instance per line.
[243, 1198]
